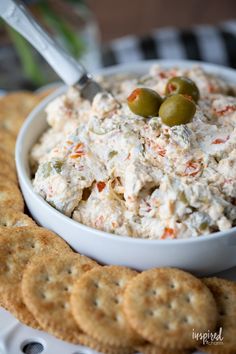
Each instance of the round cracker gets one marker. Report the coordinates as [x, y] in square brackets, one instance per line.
[97, 306]
[164, 305]
[14, 108]
[102, 348]
[12, 218]
[17, 246]
[46, 289]
[7, 141]
[7, 171]
[224, 292]
[10, 195]
[7, 157]
[4, 181]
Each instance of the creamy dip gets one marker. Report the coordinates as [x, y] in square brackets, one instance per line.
[115, 171]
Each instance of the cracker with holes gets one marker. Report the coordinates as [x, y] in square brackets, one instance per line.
[7, 141]
[164, 305]
[7, 158]
[46, 289]
[17, 246]
[224, 292]
[10, 195]
[12, 218]
[103, 348]
[14, 108]
[7, 172]
[96, 302]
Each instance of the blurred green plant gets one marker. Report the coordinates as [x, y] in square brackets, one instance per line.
[27, 58]
[58, 25]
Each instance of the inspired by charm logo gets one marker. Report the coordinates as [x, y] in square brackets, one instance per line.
[209, 338]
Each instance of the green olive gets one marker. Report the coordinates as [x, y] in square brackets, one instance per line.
[203, 225]
[144, 102]
[184, 85]
[47, 167]
[182, 197]
[177, 109]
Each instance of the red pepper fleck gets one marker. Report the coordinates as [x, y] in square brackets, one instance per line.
[133, 95]
[101, 186]
[212, 88]
[192, 168]
[220, 141]
[76, 156]
[77, 151]
[78, 147]
[227, 109]
[159, 150]
[128, 157]
[162, 152]
[171, 87]
[168, 232]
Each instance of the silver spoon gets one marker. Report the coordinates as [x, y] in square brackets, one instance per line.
[70, 71]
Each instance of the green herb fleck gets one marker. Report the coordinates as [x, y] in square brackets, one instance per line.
[57, 165]
[112, 154]
[46, 169]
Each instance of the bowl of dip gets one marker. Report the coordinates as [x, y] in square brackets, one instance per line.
[129, 190]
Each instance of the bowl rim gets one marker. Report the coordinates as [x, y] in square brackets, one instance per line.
[113, 70]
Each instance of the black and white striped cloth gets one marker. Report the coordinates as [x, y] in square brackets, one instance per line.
[214, 44]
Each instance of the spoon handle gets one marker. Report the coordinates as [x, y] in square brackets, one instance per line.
[17, 16]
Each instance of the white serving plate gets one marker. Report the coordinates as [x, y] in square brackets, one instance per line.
[202, 255]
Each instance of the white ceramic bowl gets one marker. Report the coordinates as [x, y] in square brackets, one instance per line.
[202, 255]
